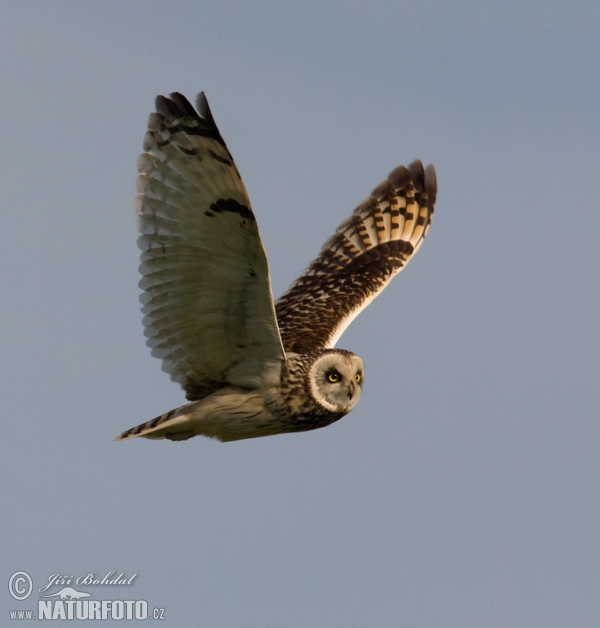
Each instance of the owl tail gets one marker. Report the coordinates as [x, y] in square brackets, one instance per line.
[173, 425]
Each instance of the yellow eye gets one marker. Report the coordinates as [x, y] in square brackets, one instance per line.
[333, 377]
[358, 378]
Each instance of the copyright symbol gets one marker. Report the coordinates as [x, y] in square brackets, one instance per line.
[20, 585]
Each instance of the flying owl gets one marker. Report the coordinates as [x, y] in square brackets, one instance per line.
[250, 366]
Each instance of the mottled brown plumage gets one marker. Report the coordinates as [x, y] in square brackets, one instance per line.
[355, 264]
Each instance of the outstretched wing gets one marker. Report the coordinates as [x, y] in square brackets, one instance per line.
[358, 262]
[207, 296]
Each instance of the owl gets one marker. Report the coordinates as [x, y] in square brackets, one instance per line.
[250, 366]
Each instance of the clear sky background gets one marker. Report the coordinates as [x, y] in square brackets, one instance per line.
[463, 491]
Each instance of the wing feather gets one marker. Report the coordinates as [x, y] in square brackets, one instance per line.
[207, 303]
[359, 260]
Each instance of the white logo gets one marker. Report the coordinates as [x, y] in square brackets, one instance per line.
[71, 604]
[67, 593]
[96, 609]
[20, 585]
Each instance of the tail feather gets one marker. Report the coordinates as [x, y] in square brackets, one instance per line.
[174, 425]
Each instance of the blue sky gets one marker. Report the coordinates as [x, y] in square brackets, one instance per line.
[462, 491]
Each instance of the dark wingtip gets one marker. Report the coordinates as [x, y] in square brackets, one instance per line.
[431, 183]
[399, 177]
[161, 104]
[422, 179]
[417, 174]
[174, 106]
[204, 109]
[183, 105]
[178, 106]
[206, 114]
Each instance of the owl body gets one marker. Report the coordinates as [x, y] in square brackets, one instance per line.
[252, 366]
[301, 393]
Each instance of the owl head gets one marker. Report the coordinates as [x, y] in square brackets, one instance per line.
[335, 380]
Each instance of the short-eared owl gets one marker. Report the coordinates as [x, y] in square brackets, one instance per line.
[251, 367]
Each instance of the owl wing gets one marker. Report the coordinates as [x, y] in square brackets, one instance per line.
[359, 260]
[206, 290]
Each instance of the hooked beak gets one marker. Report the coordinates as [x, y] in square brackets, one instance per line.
[351, 390]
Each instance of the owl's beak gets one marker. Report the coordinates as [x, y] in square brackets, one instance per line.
[351, 390]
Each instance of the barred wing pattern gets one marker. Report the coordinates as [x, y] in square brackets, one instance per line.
[358, 262]
[207, 296]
